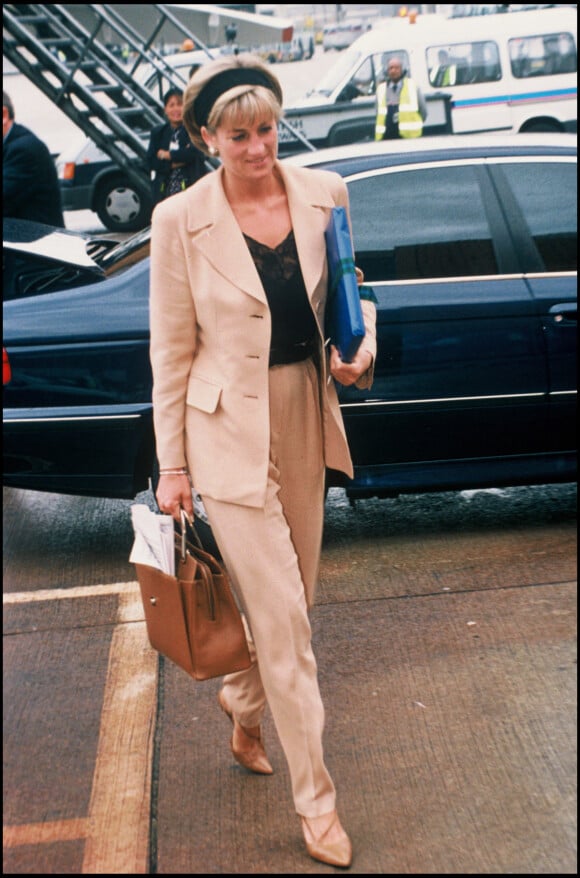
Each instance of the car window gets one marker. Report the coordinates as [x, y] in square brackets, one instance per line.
[545, 194]
[425, 222]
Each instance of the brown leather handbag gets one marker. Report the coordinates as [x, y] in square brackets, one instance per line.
[192, 618]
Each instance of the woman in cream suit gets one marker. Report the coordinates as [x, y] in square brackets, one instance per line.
[245, 407]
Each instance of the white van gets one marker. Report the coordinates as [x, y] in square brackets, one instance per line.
[513, 71]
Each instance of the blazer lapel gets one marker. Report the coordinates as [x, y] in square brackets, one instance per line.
[309, 204]
[216, 234]
[218, 237]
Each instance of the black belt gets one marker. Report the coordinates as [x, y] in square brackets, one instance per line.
[292, 353]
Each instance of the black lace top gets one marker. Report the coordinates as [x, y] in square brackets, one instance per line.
[279, 269]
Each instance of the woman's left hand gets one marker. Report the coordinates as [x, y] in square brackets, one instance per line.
[349, 373]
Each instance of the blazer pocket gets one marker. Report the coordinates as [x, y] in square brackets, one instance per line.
[202, 394]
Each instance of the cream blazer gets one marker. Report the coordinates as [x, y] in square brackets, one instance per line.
[210, 335]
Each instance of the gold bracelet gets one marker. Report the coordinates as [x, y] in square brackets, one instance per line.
[182, 471]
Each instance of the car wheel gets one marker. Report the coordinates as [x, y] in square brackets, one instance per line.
[121, 206]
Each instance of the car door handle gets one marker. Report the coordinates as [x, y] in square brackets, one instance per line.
[566, 313]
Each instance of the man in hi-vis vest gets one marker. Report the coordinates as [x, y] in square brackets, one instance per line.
[401, 108]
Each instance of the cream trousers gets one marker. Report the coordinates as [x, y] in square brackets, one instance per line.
[272, 555]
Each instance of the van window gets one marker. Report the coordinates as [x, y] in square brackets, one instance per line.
[371, 72]
[542, 191]
[463, 63]
[542, 55]
[422, 223]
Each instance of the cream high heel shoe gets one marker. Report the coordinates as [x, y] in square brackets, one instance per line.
[246, 744]
[319, 846]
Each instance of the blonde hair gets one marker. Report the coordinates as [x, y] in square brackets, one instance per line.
[240, 106]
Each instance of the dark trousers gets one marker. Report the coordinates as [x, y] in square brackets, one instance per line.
[392, 123]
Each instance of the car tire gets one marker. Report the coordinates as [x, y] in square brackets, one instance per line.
[122, 206]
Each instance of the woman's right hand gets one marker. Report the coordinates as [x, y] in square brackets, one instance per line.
[174, 494]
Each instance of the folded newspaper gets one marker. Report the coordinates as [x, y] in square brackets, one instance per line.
[154, 539]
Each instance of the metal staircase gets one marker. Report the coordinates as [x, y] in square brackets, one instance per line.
[67, 52]
[73, 67]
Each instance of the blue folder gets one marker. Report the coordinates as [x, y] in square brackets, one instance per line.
[344, 318]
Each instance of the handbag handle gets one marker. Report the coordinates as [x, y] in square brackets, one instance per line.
[204, 572]
[185, 521]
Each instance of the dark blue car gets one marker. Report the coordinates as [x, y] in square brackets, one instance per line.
[470, 244]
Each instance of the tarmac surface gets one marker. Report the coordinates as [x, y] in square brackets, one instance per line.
[446, 647]
[446, 650]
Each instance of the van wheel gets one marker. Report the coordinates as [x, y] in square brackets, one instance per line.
[121, 206]
[359, 130]
[542, 125]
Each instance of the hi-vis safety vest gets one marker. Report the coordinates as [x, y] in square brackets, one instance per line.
[442, 75]
[410, 121]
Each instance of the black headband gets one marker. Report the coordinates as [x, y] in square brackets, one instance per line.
[221, 83]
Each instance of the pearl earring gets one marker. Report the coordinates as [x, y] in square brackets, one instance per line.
[213, 151]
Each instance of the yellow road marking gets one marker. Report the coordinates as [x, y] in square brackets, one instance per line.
[119, 809]
[44, 833]
[84, 591]
[117, 827]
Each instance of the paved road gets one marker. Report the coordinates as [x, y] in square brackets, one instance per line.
[445, 632]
